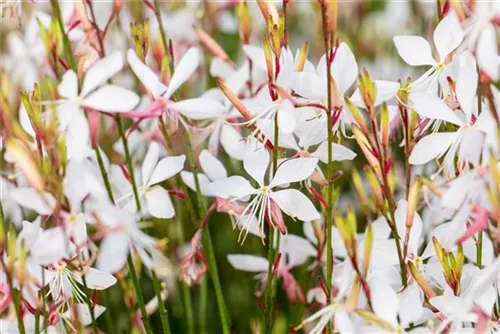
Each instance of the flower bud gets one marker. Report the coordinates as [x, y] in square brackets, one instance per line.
[301, 58]
[25, 160]
[140, 36]
[211, 44]
[245, 21]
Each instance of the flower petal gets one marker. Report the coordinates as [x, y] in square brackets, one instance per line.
[101, 71]
[159, 203]
[344, 68]
[149, 163]
[250, 263]
[68, 87]
[211, 166]
[295, 204]
[448, 35]
[148, 78]
[198, 108]
[233, 186]
[184, 69]
[43, 204]
[256, 163]
[111, 98]
[430, 106]
[113, 252]
[166, 168]
[414, 50]
[487, 52]
[431, 147]
[339, 152]
[294, 170]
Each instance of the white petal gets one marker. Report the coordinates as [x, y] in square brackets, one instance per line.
[448, 35]
[84, 315]
[113, 252]
[256, 54]
[159, 203]
[101, 71]
[309, 85]
[250, 263]
[198, 108]
[233, 186]
[211, 166]
[145, 74]
[339, 152]
[41, 203]
[184, 69]
[99, 280]
[255, 164]
[295, 204]
[297, 248]
[294, 170]
[430, 106]
[111, 98]
[286, 117]
[467, 83]
[188, 179]
[68, 87]
[384, 301]
[431, 147]
[166, 168]
[51, 246]
[344, 68]
[385, 90]
[149, 163]
[414, 50]
[233, 143]
[487, 52]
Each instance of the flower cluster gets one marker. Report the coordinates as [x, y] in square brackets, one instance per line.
[148, 148]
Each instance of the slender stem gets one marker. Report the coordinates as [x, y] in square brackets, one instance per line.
[208, 245]
[140, 298]
[161, 305]
[89, 304]
[66, 42]
[104, 173]
[329, 209]
[479, 249]
[107, 314]
[273, 249]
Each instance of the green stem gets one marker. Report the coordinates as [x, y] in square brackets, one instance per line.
[89, 304]
[140, 298]
[66, 42]
[107, 314]
[479, 249]
[273, 249]
[161, 305]
[208, 245]
[104, 173]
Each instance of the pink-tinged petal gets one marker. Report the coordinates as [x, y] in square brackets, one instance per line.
[184, 69]
[148, 78]
[166, 168]
[159, 203]
[431, 147]
[154, 110]
[233, 186]
[479, 224]
[68, 87]
[211, 166]
[414, 50]
[249, 263]
[448, 35]
[198, 108]
[294, 170]
[295, 204]
[101, 71]
[111, 98]
[256, 163]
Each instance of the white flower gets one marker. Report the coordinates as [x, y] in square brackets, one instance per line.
[291, 201]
